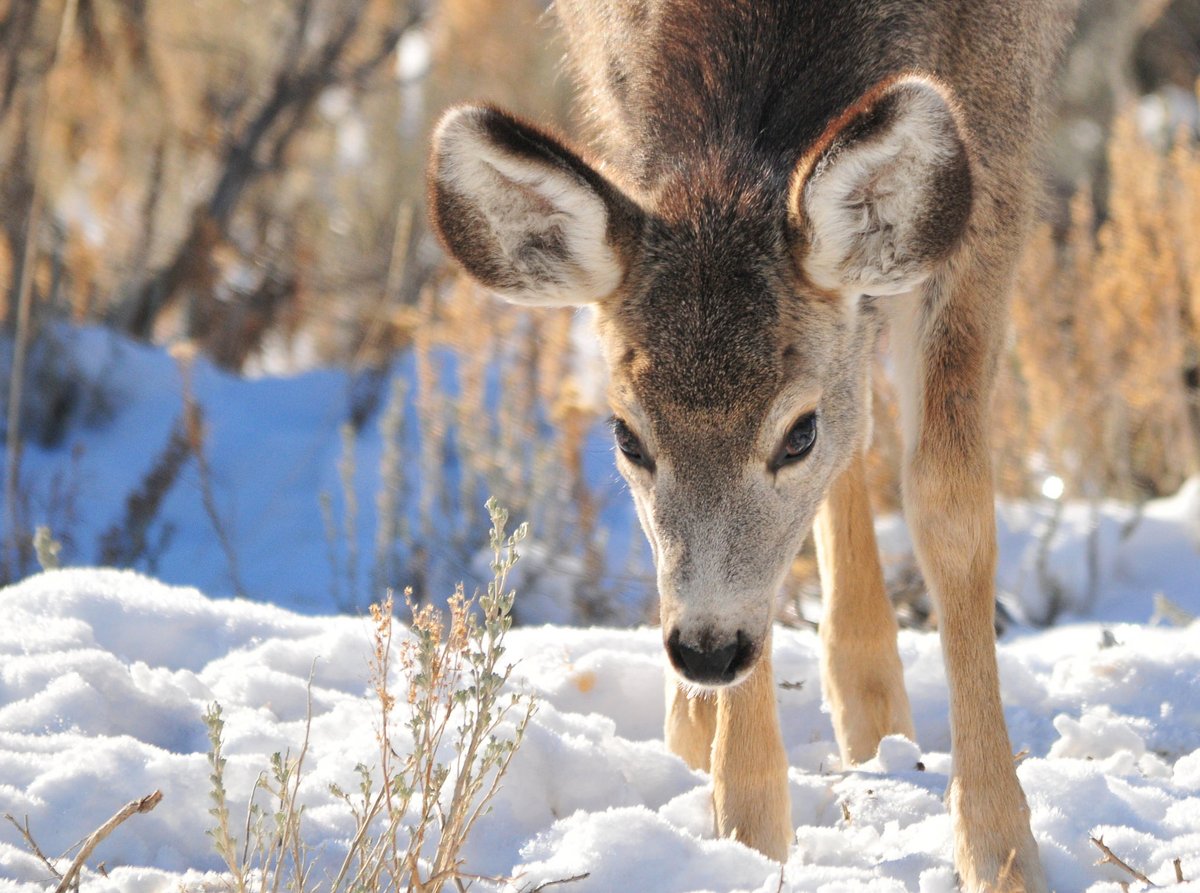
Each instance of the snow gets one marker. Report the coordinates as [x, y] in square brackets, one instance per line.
[105, 675]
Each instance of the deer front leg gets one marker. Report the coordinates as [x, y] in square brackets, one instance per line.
[749, 766]
[953, 529]
[949, 505]
[861, 670]
[691, 724]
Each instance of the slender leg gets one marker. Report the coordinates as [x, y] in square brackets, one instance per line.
[863, 677]
[749, 766]
[691, 724]
[948, 351]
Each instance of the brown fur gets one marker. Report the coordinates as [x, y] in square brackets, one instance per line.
[784, 179]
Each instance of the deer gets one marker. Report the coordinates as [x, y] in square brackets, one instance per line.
[769, 187]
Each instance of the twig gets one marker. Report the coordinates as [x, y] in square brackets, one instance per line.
[567, 880]
[1166, 610]
[1178, 871]
[196, 430]
[24, 287]
[37, 851]
[146, 804]
[1111, 858]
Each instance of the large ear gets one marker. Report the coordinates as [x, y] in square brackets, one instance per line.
[884, 195]
[524, 214]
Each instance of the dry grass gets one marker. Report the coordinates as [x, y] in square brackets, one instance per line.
[1101, 386]
[496, 405]
[445, 740]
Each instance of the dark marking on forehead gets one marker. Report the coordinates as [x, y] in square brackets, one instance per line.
[708, 304]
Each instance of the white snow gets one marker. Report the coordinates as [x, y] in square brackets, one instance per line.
[104, 676]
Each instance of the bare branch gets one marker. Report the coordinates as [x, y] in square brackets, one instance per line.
[133, 807]
[567, 880]
[27, 835]
[1110, 858]
[260, 145]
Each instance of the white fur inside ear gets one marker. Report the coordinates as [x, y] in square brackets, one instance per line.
[865, 202]
[550, 225]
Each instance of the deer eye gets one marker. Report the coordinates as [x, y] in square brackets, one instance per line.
[799, 441]
[628, 443]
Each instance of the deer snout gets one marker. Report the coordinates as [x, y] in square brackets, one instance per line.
[709, 659]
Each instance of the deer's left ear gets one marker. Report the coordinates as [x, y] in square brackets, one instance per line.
[885, 193]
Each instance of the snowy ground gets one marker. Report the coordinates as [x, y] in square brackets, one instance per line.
[105, 674]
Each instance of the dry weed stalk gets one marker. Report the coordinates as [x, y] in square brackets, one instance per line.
[31, 844]
[546, 885]
[391, 524]
[346, 477]
[445, 742]
[430, 407]
[23, 289]
[453, 703]
[128, 541]
[196, 434]
[132, 808]
[1111, 858]
[495, 390]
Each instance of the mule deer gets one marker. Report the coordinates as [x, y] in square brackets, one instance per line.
[776, 182]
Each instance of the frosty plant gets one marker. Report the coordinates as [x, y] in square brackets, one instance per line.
[272, 847]
[445, 743]
[453, 710]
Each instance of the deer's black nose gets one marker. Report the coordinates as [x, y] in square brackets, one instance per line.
[711, 662]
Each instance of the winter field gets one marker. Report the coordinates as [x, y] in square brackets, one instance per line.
[106, 676]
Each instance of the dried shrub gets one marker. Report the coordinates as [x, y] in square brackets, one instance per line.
[445, 741]
[1101, 386]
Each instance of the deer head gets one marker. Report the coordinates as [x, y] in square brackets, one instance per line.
[735, 301]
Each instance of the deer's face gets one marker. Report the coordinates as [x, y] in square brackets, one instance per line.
[731, 310]
[737, 393]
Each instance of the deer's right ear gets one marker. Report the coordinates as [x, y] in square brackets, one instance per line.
[885, 194]
[524, 214]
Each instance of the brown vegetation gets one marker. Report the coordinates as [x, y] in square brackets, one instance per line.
[1101, 387]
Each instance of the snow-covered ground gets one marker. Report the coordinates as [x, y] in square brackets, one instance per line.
[105, 675]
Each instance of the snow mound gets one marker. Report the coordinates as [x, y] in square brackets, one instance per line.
[104, 677]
